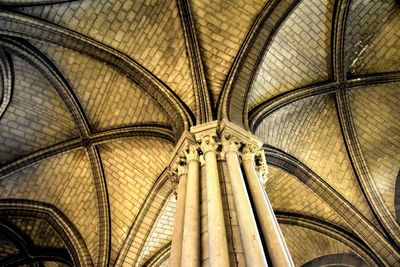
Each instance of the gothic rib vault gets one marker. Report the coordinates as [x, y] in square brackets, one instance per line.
[95, 95]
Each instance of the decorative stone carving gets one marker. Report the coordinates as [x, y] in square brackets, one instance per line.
[248, 152]
[230, 143]
[191, 153]
[173, 178]
[216, 137]
[221, 138]
[261, 166]
[208, 143]
[182, 169]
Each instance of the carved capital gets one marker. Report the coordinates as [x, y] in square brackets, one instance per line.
[230, 143]
[249, 152]
[191, 153]
[202, 160]
[173, 178]
[208, 143]
[174, 173]
[182, 170]
[261, 166]
[179, 154]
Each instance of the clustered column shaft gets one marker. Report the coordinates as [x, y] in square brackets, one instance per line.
[191, 229]
[238, 149]
[250, 237]
[276, 245]
[177, 237]
[218, 245]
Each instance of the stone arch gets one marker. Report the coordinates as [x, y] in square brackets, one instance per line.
[68, 232]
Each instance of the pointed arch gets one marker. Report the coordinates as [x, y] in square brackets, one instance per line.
[64, 227]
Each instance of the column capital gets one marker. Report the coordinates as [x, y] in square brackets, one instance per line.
[182, 170]
[191, 153]
[172, 175]
[249, 152]
[232, 131]
[206, 136]
[261, 166]
[179, 155]
[230, 143]
[208, 143]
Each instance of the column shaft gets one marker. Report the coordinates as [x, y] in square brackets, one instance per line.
[252, 245]
[191, 231]
[218, 245]
[177, 237]
[276, 245]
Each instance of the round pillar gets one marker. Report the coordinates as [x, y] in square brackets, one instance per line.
[276, 245]
[252, 245]
[218, 245]
[191, 229]
[177, 236]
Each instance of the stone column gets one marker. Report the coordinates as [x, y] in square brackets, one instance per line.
[218, 245]
[177, 236]
[191, 230]
[223, 221]
[252, 244]
[276, 245]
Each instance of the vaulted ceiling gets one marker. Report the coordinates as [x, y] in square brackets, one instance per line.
[94, 95]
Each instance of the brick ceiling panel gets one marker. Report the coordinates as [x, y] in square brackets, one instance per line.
[161, 234]
[149, 31]
[222, 27]
[39, 231]
[109, 99]
[309, 130]
[64, 181]
[133, 249]
[376, 115]
[288, 194]
[131, 168]
[373, 37]
[36, 117]
[305, 245]
[299, 54]
[7, 247]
